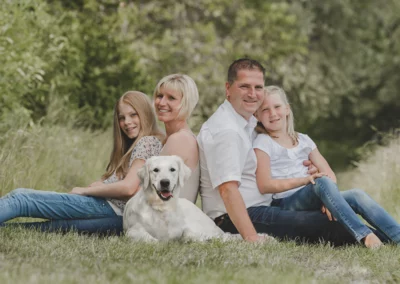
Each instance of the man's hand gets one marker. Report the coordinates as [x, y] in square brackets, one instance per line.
[327, 213]
[265, 238]
[311, 168]
[237, 211]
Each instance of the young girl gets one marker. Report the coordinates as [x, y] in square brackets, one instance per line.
[136, 138]
[280, 153]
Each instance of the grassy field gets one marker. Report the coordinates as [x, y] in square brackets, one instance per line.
[59, 158]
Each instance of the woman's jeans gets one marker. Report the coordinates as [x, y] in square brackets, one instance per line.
[65, 211]
[343, 206]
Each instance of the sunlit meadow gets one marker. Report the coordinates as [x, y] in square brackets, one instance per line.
[58, 158]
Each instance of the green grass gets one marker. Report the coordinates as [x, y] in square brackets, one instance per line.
[34, 257]
[59, 158]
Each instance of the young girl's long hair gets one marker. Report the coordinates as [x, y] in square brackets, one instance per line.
[271, 90]
[123, 145]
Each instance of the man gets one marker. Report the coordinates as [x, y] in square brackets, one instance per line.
[228, 163]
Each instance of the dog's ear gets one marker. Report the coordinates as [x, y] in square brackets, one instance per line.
[143, 174]
[184, 172]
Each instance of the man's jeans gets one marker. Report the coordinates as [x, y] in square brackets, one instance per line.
[300, 226]
[313, 226]
[343, 206]
[66, 211]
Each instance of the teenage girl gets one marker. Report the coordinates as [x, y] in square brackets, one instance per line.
[136, 138]
[280, 154]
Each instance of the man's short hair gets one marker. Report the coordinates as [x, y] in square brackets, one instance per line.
[243, 64]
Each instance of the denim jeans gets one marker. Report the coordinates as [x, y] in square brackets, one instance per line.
[325, 192]
[24, 202]
[300, 226]
[344, 207]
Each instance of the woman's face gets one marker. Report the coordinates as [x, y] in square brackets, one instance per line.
[129, 121]
[167, 104]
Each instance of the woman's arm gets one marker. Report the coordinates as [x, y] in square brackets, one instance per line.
[123, 189]
[266, 184]
[319, 161]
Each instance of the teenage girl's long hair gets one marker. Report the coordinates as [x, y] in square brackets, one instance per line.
[123, 145]
[270, 90]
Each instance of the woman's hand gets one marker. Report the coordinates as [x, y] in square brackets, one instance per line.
[78, 190]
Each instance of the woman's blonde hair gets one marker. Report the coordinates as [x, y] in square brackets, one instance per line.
[123, 145]
[271, 90]
[186, 86]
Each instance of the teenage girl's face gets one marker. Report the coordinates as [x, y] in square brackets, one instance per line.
[273, 113]
[129, 121]
[167, 104]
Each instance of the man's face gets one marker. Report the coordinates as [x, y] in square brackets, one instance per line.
[246, 93]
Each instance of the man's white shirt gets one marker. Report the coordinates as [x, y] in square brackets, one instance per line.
[226, 154]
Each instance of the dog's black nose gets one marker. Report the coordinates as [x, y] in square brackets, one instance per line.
[164, 182]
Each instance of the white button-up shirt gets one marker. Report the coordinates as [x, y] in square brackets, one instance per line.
[226, 154]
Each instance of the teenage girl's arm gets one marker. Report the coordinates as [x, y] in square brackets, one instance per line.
[265, 182]
[319, 161]
[123, 189]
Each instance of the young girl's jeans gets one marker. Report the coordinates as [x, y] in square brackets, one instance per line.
[64, 209]
[343, 206]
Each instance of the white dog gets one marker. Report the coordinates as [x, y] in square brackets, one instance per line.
[157, 213]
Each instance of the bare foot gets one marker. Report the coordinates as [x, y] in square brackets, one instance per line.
[372, 241]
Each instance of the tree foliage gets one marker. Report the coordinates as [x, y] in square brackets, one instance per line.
[339, 61]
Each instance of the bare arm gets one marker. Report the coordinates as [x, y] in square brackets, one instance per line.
[319, 161]
[123, 189]
[236, 210]
[265, 182]
[184, 145]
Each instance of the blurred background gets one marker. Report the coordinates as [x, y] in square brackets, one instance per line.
[63, 64]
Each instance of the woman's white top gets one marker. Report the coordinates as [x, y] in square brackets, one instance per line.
[286, 163]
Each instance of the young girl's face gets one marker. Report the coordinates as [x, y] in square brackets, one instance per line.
[273, 113]
[167, 104]
[129, 121]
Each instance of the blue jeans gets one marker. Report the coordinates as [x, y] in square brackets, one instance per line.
[63, 209]
[344, 207]
[300, 226]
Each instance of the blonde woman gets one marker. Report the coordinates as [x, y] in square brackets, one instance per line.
[175, 97]
[101, 204]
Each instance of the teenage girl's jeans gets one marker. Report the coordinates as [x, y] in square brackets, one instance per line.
[65, 211]
[343, 206]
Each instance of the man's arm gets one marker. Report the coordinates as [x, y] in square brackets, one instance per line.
[236, 210]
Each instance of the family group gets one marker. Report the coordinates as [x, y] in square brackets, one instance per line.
[253, 171]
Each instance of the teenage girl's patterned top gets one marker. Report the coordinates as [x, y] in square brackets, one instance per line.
[145, 148]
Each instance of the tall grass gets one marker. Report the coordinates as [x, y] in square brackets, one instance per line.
[52, 157]
[379, 175]
[60, 157]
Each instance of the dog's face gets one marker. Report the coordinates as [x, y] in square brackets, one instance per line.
[165, 175]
